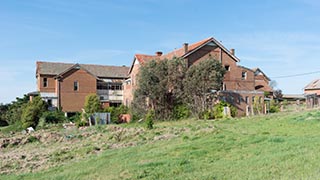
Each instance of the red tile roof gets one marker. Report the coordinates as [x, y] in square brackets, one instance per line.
[142, 58]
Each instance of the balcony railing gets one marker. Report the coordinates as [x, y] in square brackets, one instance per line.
[110, 95]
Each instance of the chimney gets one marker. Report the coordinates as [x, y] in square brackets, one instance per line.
[232, 51]
[185, 47]
[158, 53]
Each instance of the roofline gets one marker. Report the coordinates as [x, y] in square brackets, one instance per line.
[262, 73]
[245, 68]
[219, 45]
[72, 67]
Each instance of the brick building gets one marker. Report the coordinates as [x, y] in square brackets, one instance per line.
[240, 86]
[65, 85]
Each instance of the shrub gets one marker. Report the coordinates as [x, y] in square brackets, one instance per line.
[82, 120]
[54, 116]
[92, 104]
[149, 119]
[274, 106]
[181, 111]
[32, 112]
[51, 117]
[219, 108]
[115, 112]
[3, 123]
[76, 117]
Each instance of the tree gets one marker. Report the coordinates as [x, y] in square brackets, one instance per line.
[32, 112]
[160, 87]
[92, 104]
[13, 111]
[201, 82]
[277, 94]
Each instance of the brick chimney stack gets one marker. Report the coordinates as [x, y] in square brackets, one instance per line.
[158, 53]
[232, 51]
[185, 47]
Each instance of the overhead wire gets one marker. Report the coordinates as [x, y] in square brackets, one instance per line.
[295, 75]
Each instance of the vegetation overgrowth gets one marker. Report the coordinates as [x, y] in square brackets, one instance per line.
[276, 146]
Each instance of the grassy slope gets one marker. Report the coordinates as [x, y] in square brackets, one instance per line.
[272, 147]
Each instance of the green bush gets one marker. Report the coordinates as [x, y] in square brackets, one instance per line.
[115, 112]
[51, 117]
[54, 116]
[75, 117]
[181, 111]
[208, 114]
[32, 112]
[3, 123]
[82, 120]
[274, 106]
[218, 109]
[149, 119]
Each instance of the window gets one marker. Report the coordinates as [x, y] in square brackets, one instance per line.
[224, 87]
[244, 75]
[253, 97]
[45, 82]
[247, 99]
[227, 67]
[76, 86]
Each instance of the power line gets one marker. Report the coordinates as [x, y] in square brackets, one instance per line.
[295, 75]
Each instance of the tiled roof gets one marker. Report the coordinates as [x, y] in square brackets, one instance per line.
[315, 84]
[142, 58]
[54, 68]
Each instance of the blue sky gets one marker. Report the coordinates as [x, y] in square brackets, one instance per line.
[280, 37]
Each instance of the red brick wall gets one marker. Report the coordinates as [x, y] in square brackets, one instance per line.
[128, 89]
[51, 83]
[73, 101]
[261, 80]
[315, 91]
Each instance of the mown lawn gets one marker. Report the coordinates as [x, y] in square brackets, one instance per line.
[279, 146]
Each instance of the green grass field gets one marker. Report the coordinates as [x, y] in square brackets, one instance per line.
[278, 146]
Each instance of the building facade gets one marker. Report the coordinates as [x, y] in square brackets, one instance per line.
[241, 86]
[65, 85]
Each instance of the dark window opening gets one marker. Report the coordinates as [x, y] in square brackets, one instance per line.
[115, 104]
[244, 75]
[227, 67]
[76, 86]
[45, 82]
[109, 86]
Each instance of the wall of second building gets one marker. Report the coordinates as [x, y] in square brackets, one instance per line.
[73, 100]
[244, 101]
[312, 91]
[130, 85]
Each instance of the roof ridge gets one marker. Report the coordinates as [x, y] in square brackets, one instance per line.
[80, 64]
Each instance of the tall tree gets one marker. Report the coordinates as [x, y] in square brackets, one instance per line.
[160, 87]
[202, 82]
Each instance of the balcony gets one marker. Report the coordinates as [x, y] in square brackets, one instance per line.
[110, 95]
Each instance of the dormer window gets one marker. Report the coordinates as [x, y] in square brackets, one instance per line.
[244, 75]
[45, 82]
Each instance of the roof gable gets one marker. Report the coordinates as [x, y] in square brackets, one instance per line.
[315, 84]
[192, 48]
[258, 71]
[74, 67]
